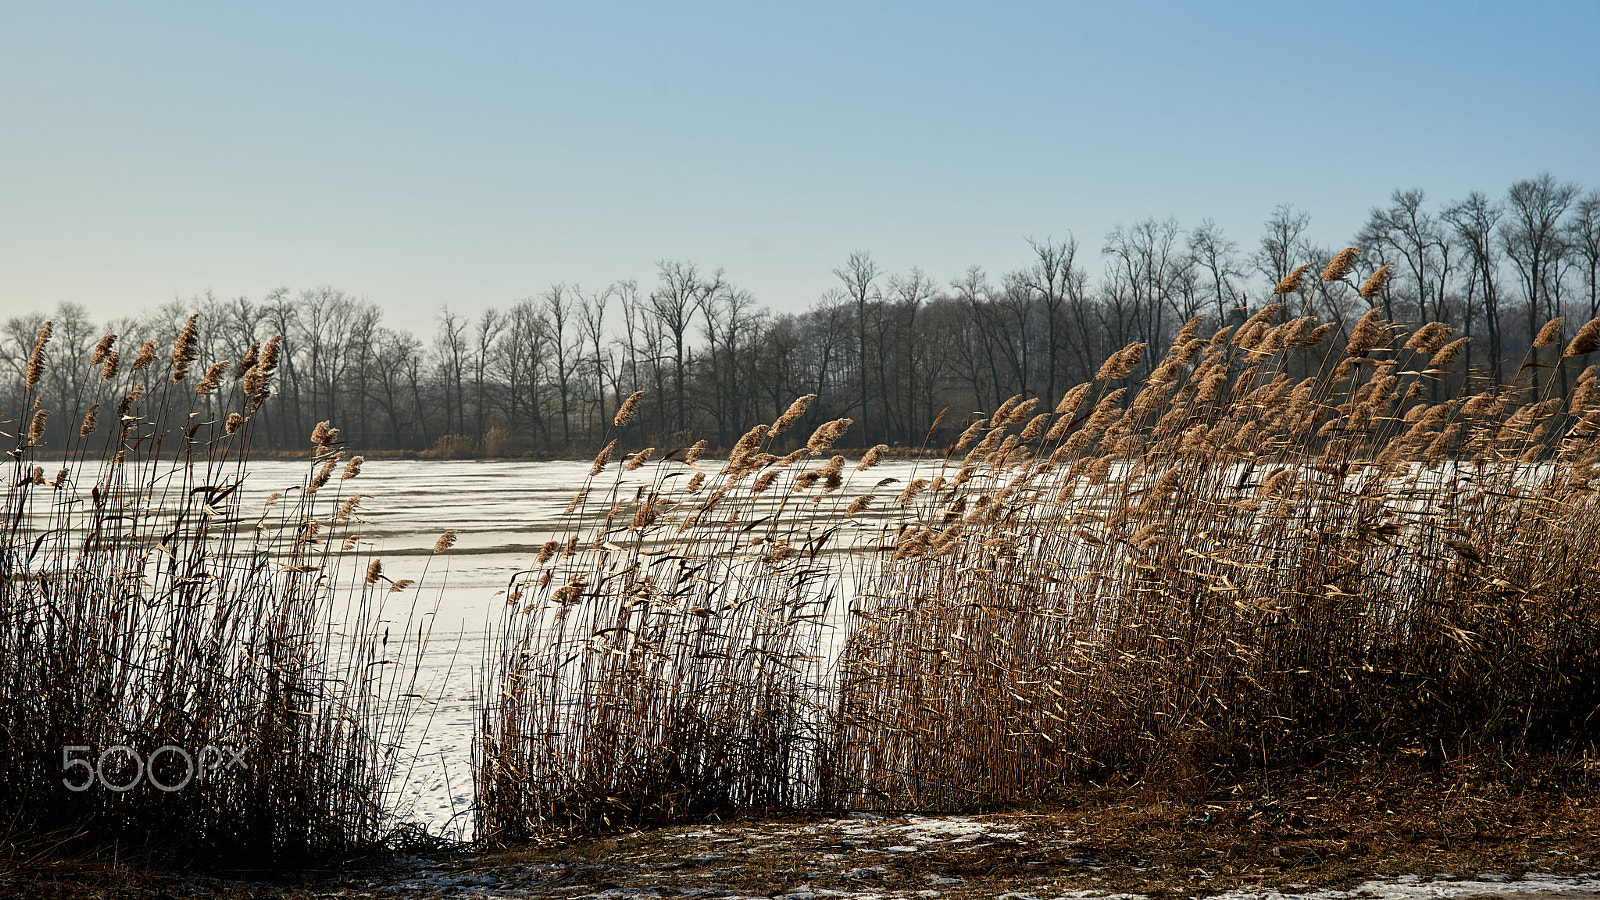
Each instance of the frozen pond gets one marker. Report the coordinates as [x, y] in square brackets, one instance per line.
[504, 511]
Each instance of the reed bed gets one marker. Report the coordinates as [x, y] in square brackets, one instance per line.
[180, 677]
[663, 659]
[1287, 543]
[1226, 567]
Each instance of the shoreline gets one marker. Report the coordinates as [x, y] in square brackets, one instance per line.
[1460, 830]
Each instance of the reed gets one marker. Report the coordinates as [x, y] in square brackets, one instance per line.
[1247, 571]
[1220, 569]
[664, 658]
[181, 677]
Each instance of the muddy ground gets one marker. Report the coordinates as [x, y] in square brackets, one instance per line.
[1460, 832]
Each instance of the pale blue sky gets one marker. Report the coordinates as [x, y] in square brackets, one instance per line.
[471, 154]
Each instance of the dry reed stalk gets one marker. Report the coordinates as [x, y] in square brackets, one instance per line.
[1240, 564]
[211, 379]
[983, 674]
[101, 348]
[248, 361]
[220, 638]
[1369, 333]
[147, 355]
[601, 458]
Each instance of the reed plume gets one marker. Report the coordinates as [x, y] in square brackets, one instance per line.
[147, 355]
[1587, 340]
[1369, 333]
[1120, 364]
[601, 458]
[101, 348]
[1549, 334]
[35, 369]
[1429, 338]
[212, 378]
[1341, 265]
[793, 414]
[628, 410]
[1291, 282]
[1375, 281]
[183, 350]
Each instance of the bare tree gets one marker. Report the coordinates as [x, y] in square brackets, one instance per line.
[731, 321]
[394, 355]
[858, 277]
[451, 345]
[558, 311]
[1582, 236]
[677, 297]
[905, 356]
[490, 326]
[1473, 222]
[1404, 229]
[592, 324]
[1216, 259]
[1283, 243]
[1531, 236]
[1150, 273]
[979, 351]
[1059, 283]
[519, 363]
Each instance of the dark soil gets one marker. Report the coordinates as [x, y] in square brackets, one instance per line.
[1292, 834]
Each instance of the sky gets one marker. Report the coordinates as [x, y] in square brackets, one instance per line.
[472, 154]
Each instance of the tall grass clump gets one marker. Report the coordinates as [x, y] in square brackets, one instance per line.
[181, 676]
[662, 659]
[1273, 549]
[1290, 543]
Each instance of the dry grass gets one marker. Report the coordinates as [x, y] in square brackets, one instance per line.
[141, 608]
[664, 660]
[1277, 549]
[1232, 569]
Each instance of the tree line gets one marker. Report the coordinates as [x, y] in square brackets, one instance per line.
[892, 350]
